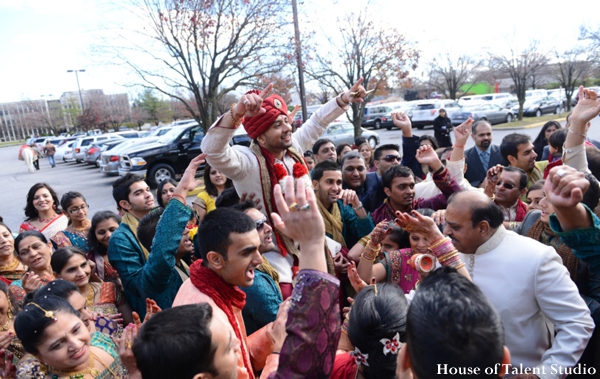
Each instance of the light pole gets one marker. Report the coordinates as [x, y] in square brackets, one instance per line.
[78, 88]
[47, 109]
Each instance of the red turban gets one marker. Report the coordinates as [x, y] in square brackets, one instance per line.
[257, 125]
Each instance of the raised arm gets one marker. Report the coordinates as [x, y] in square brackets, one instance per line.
[461, 135]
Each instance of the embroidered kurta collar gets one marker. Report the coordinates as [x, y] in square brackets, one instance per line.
[493, 242]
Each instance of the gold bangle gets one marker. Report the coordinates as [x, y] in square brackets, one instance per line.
[236, 121]
[440, 241]
[367, 257]
[461, 265]
[446, 256]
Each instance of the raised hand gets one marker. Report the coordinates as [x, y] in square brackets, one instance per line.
[7, 369]
[251, 198]
[426, 155]
[355, 94]
[493, 174]
[401, 120]
[349, 196]
[293, 113]
[250, 104]
[355, 280]
[125, 343]
[462, 132]
[31, 282]
[587, 107]
[188, 181]
[565, 187]
[417, 223]
[439, 216]
[380, 232]
[340, 263]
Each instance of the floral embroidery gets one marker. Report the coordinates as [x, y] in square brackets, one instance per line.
[391, 346]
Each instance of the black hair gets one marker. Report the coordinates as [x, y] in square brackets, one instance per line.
[379, 151]
[160, 188]
[321, 167]
[320, 142]
[360, 140]
[67, 199]
[341, 148]
[6, 226]
[591, 196]
[31, 322]
[539, 185]
[352, 155]
[541, 141]
[176, 343]
[29, 233]
[399, 236]
[510, 144]
[557, 139]
[227, 198]
[147, 227]
[476, 124]
[97, 219]
[522, 178]
[593, 158]
[121, 187]
[373, 317]
[243, 207]
[209, 186]
[30, 212]
[59, 288]
[432, 139]
[472, 335]
[308, 154]
[59, 259]
[397, 171]
[214, 233]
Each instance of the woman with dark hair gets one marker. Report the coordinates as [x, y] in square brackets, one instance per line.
[442, 126]
[10, 267]
[165, 192]
[43, 212]
[8, 311]
[76, 210]
[427, 139]
[341, 150]
[214, 183]
[541, 140]
[367, 152]
[42, 327]
[534, 195]
[34, 250]
[104, 224]
[71, 264]
[375, 327]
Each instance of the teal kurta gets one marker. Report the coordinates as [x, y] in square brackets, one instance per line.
[354, 228]
[262, 302]
[155, 278]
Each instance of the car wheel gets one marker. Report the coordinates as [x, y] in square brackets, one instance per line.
[420, 127]
[508, 118]
[98, 163]
[78, 160]
[538, 113]
[373, 142]
[377, 124]
[159, 173]
[389, 127]
[557, 110]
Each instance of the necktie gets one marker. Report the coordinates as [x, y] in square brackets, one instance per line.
[485, 159]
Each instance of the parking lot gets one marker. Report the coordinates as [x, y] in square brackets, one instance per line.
[16, 180]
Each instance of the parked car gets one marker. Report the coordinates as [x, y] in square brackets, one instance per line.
[82, 143]
[535, 93]
[79, 134]
[426, 112]
[111, 154]
[539, 106]
[128, 134]
[386, 120]
[340, 132]
[92, 154]
[298, 121]
[240, 137]
[62, 150]
[490, 112]
[183, 122]
[373, 115]
[69, 154]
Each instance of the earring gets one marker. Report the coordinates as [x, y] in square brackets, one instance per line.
[54, 206]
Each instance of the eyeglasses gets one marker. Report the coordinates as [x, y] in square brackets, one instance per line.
[391, 158]
[261, 223]
[506, 185]
[77, 210]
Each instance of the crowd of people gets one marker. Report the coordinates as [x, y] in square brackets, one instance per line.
[301, 259]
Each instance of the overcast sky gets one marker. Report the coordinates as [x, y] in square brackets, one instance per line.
[42, 39]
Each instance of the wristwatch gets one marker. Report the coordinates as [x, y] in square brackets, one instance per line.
[360, 206]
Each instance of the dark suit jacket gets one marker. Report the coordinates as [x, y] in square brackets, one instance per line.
[475, 171]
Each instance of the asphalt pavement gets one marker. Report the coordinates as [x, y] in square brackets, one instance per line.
[15, 180]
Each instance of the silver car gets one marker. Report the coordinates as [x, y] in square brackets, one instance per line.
[340, 132]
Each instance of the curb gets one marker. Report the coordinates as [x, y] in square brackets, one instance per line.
[531, 126]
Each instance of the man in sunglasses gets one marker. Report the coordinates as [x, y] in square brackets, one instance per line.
[506, 185]
[263, 297]
[386, 156]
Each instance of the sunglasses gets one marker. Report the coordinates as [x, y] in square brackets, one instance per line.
[508, 186]
[391, 158]
[261, 223]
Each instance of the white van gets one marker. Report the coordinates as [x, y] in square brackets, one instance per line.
[534, 93]
[83, 143]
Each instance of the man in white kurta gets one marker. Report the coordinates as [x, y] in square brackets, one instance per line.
[547, 323]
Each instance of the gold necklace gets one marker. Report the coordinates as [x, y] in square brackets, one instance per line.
[94, 372]
[11, 266]
[85, 228]
[5, 326]
[89, 298]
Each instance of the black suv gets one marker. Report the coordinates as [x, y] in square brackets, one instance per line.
[168, 157]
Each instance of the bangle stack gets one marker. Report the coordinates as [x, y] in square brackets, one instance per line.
[446, 254]
[370, 252]
[364, 241]
[236, 121]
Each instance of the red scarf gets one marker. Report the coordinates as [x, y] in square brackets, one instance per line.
[225, 296]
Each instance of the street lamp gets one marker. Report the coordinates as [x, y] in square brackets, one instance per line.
[47, 109]
[79, 89]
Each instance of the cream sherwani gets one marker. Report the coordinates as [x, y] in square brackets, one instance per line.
[531, 289]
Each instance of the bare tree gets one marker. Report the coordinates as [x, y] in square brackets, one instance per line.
[367, 49]
[572, 69]
[204, 47]
[591, 35]
[521, 65]
[449, 74]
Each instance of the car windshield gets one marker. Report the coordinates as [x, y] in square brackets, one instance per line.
[171, 135]
[530, 103]
[426, 106]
